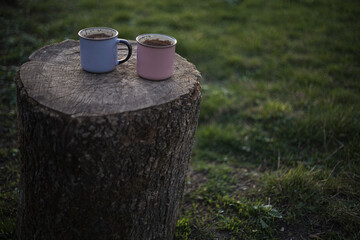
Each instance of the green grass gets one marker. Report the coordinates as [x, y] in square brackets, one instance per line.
[277, 151]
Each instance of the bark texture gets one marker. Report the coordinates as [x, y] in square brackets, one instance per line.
[103, 156]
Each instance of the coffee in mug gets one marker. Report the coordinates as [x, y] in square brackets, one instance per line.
[98, 36]
[157, 42]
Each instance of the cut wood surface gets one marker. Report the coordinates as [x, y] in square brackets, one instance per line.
[103, 156]
[55, 79]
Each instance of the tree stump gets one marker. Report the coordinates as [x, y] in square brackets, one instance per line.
[103, 156]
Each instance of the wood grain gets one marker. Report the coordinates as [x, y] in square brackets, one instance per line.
[55, 79]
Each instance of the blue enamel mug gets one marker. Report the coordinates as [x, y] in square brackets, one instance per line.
[98, 49]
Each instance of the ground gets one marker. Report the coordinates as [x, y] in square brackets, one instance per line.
[277, 148]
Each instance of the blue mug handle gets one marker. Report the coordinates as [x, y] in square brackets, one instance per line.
[129, 50]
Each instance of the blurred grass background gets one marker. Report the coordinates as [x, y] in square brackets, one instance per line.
[277, 150]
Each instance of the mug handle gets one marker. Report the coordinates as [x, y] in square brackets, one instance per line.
[129, 50]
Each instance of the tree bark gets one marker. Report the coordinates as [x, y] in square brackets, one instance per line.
[103, 156]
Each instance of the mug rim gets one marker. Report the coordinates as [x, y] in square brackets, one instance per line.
[172, 39]
[99, 39]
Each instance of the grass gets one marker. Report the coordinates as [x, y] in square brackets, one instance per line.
[277, 151]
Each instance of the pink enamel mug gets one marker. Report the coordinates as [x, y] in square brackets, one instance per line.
[155, 56]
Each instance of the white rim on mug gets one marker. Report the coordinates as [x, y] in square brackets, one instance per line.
[152, 36]
[98, 30]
